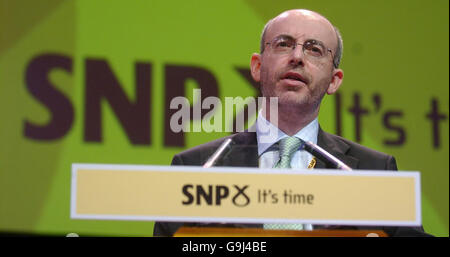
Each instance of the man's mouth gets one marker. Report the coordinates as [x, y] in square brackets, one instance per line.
[294, 77]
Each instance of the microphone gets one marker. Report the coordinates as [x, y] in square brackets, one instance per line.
[323, 155]
[223, 148]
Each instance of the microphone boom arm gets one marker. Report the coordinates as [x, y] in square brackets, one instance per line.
[324, 156]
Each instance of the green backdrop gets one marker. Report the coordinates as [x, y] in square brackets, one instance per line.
[395, 63]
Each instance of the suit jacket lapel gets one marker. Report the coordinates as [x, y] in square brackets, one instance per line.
[244, 152]
[335, 147]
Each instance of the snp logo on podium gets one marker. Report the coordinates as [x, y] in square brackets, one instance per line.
[215, 194]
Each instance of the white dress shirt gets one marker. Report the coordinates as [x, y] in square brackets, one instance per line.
[268, 153]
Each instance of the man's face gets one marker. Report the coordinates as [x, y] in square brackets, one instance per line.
[297, 80]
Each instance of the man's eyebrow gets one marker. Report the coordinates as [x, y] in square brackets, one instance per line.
[284, 36]
[317, 41]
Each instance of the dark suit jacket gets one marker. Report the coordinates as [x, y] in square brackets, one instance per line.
[244, 153]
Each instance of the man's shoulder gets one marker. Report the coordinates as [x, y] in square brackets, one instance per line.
[354, 147]
[209, 146]
[367, 158]
[199, 154]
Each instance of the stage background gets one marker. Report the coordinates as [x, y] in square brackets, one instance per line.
[63, 62]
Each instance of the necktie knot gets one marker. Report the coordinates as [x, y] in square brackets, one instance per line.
[288, 146]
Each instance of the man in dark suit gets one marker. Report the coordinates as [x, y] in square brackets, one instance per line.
[298, 64]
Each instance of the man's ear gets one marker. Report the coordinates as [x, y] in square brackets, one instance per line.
[255, 67]
[336, 81]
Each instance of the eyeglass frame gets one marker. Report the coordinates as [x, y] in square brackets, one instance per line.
[302, 44]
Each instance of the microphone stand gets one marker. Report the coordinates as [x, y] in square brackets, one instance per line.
[224, 147]
[323, 155]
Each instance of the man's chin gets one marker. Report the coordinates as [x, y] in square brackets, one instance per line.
[291, 99]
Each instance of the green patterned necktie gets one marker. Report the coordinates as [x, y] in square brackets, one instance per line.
[288, 146]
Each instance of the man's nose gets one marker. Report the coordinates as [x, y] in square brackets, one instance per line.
[297, 57]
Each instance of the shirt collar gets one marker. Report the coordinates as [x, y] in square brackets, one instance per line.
[268, 134]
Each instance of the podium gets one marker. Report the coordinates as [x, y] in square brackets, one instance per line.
[258, 232]
[247, 195]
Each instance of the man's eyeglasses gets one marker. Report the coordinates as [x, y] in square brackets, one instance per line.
[313, 49]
